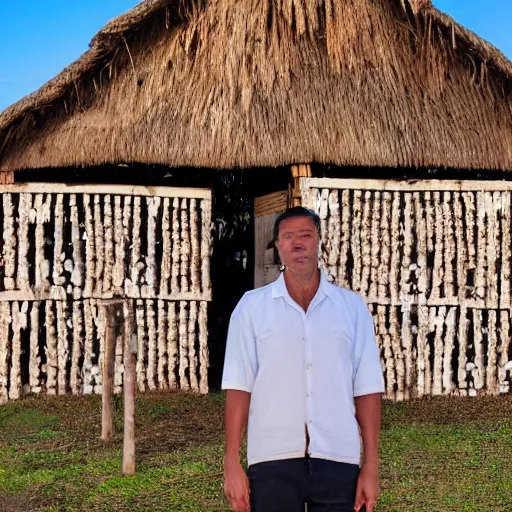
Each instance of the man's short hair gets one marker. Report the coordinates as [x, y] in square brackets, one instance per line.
[296, 211]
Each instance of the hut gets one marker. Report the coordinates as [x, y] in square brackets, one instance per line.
[385, 116]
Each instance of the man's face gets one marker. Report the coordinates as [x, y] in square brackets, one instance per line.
[297, 243]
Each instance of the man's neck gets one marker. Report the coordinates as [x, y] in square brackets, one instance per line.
[302, 288]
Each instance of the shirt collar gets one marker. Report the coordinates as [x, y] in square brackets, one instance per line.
[279, 287]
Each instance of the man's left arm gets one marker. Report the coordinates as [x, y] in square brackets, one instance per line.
[368, 417]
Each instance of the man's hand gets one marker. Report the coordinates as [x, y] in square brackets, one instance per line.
[368, 489]
[236, 486]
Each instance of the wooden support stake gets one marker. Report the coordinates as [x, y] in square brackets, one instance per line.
[109, 314]
[129, 393]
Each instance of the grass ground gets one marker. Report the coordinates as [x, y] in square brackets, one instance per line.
[437, 455]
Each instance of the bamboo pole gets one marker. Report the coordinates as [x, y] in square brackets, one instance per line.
[436, 325]
[109, 245]
[51, 349]
[395, 248]
[345, 238]
[25, 205]
[62, 346]
[406, 334]
[423, 352]
[503, 350]
[88, 348]
[76, 382]
[394, 332]
[99, 321]
[15, 374]
[493, 246]
[333, 243]
[448, 384]
[34, 368]
[185, 247]
[5, 350]
[506, 258]
[141, 345]
[183, 341]
[206, 219]
[385, 258]
[107, 425]
[450, 249]
[422, 243]
[480, 283]
[479, 375]
[203, 347]
[9, 248]
[176, 247]
[129, 392]
[462, 338]
[132, 286]
[375, 245]
[78, 267]
[151, 366]
[99, 242]
[118, 364]
[408, 240]
[165, 271]
[90, 252]
[162, 356]
[192, 356]
[172, 344]
[195, 262]
[58, 252]
[366, 243]
[471, 225]
[153, 206]
[438, 270]
[118, 274]
[323, 246]
[462, 249]
[355, 242]
[491, 377]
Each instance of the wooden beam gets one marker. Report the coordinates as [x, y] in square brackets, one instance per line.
[409, 185]
[116, 190]
[59, 293]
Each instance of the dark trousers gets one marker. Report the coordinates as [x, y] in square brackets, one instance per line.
[288, 485]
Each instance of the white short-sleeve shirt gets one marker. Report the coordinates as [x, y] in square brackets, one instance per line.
[302, 368]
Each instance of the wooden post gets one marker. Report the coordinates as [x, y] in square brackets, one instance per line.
[109, 314]
[298, 172]
[130, 349]
[6, 177]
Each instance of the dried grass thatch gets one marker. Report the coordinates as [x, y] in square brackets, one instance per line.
[223, 83]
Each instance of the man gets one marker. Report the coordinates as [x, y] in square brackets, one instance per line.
[302, 369]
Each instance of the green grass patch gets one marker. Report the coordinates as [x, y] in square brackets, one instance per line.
[436, 455]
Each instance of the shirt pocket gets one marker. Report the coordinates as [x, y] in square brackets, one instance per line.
[342, 347]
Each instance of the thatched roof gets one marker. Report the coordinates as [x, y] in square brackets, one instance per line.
[223, 83]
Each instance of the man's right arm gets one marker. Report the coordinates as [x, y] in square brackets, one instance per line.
[236, 485]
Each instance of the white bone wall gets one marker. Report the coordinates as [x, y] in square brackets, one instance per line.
[433, 262]
[65, 251]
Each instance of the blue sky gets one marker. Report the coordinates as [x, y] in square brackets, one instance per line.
[38, 38]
